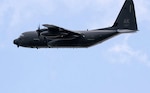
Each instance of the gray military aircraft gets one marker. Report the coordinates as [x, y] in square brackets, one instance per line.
[54, 37]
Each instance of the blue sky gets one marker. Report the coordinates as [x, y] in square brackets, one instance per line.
[119, 65]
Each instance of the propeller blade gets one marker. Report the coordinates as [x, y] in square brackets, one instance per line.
[39, 27]
[38, 31]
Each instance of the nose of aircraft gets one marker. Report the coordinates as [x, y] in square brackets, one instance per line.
[16, 42]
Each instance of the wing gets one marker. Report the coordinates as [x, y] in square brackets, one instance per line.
[55, 30]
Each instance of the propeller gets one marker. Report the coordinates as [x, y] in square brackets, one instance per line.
[39, 31]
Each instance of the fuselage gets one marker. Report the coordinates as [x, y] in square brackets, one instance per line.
[88, 38]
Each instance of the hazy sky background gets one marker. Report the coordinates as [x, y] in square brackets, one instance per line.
[119, 65]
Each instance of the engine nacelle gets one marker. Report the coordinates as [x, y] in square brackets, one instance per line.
[52, 43]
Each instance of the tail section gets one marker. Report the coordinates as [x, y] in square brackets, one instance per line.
[126, 20]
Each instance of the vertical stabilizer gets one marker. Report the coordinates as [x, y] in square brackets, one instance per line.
[127, 17]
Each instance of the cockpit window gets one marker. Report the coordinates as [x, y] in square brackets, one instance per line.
[22, 35]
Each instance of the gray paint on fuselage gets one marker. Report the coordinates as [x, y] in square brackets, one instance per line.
[94, 37]
[88, 38]
[31, 39]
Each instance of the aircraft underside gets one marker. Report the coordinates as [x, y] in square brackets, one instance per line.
[74, 43]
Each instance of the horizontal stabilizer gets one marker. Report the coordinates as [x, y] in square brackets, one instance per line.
[125, 31]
